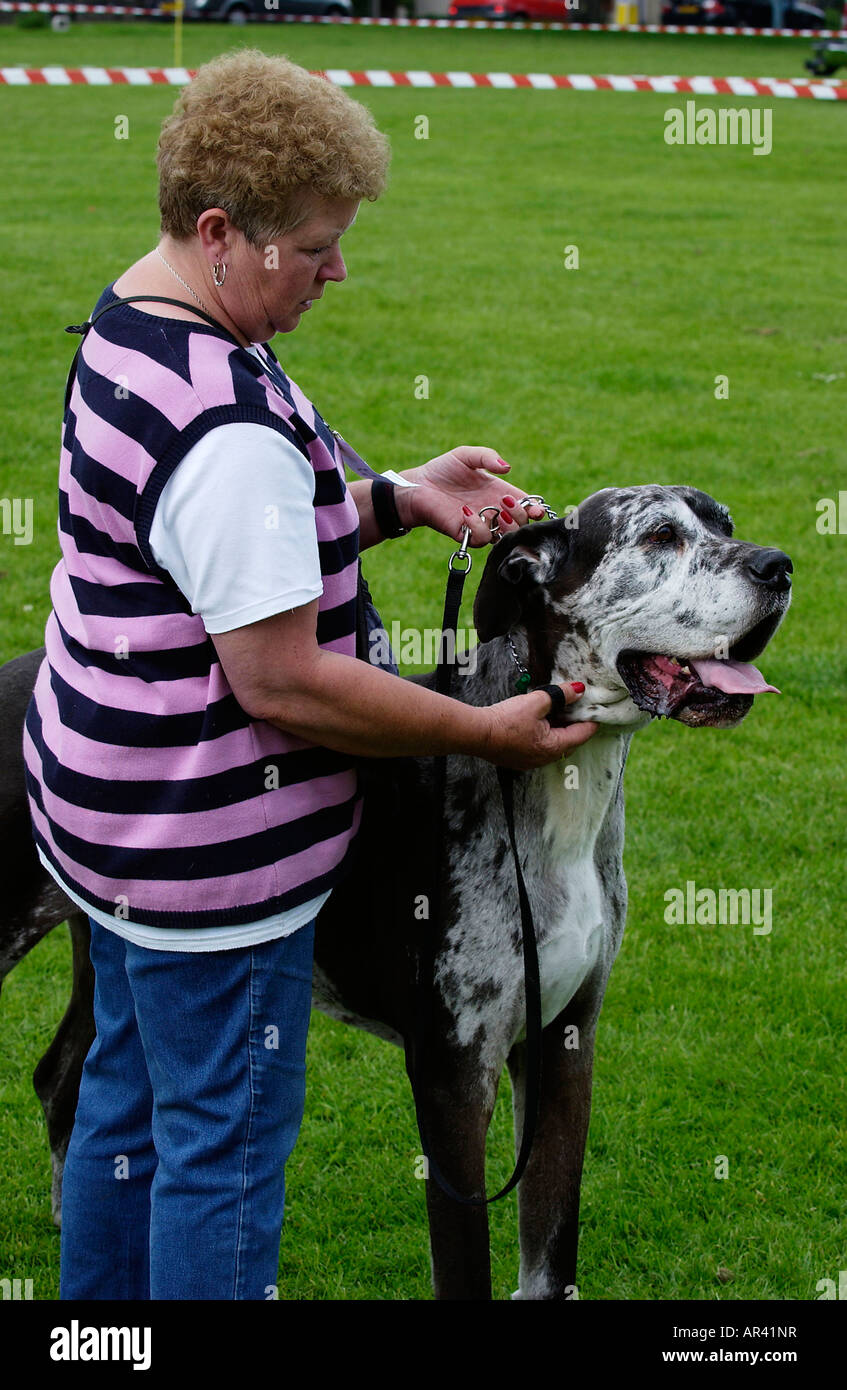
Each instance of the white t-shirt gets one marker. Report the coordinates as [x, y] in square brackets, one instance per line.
[213, 531]
[235, 527]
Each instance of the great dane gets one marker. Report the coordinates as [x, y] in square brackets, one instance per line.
[645, 596]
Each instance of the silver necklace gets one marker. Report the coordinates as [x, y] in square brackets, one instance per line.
[523, 680]
[183, 282]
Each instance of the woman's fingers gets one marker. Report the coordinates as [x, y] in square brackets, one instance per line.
[573, 735]
[572, 689]
[479, 527]
[521, 736]
[478, 456]
[494, 491]
[506, 517]
[510, 502]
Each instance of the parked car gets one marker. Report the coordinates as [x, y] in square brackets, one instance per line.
[515, 9]
[747, 14]
[242, 11]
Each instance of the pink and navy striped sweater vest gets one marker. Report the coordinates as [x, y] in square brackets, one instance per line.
[152, 792]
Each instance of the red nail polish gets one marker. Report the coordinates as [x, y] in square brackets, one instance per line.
[467, 511]
[506, 517]
[499, 460]
[578, 687]
[510, 501]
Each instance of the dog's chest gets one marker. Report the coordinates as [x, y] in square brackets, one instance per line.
[572, 939]
[569, 847]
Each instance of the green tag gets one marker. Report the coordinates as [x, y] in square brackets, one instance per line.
[523, 682]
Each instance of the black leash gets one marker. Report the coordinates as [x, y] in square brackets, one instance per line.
[429, 938]
[82, 328]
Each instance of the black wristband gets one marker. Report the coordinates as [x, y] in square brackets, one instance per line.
[556, 714]
[385, 509]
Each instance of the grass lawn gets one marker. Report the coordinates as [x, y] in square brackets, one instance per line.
[694, 263]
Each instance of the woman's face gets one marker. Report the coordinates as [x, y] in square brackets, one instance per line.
[272, 286]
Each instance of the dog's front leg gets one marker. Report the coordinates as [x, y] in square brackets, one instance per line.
[456, 1102]
[548, 1193]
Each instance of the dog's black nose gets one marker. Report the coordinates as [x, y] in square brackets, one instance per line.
[771, 567]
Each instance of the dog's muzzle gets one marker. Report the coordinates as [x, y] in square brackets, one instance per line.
[705, 690]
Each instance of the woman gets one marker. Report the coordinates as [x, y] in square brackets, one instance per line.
[190, 739]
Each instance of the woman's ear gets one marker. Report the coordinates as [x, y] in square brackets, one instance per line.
[213, 225]
[519, 565]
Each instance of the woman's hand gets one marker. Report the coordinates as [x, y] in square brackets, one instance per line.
[520, 737]
[454, 487]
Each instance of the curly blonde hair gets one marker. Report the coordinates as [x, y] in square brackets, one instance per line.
[259, 136]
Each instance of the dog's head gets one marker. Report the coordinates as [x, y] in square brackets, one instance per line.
[643, 594]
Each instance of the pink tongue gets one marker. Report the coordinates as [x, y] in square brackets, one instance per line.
[733, 677]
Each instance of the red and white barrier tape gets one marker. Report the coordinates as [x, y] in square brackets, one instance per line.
[377, 77]
[20, 6]
[14, 6]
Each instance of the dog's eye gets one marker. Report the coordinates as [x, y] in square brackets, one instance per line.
[663, 535]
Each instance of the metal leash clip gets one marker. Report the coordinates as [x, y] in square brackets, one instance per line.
[536, 497]
[493, 525]
[462, 553]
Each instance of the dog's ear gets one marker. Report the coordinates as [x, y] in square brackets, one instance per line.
[519, 566]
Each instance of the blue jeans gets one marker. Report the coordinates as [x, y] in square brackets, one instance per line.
[190, 1103]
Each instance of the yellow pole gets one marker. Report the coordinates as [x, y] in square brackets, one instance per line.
[176, 8]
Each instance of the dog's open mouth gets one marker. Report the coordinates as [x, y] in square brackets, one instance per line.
[694, 691]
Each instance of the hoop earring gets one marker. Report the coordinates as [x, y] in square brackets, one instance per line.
[215, 268]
